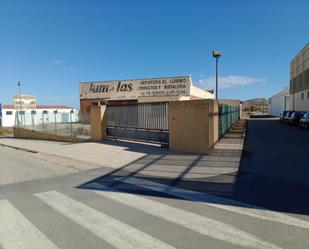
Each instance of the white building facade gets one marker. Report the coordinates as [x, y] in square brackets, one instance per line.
[41, 114]
[280, 102]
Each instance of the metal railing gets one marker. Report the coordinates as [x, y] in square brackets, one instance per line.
[228, 116]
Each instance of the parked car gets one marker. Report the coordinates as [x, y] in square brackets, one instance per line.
[294, 118]
[286, 116]
[282, 115]
[304, 121]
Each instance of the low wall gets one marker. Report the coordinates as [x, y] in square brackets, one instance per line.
[31, 134]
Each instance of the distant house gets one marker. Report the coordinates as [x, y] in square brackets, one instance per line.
[41, 114]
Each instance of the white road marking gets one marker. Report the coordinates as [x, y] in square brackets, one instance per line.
[218, 202]
[16, 232]
[195, 222]
[115, 232]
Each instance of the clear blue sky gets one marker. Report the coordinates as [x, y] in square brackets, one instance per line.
[52, 45]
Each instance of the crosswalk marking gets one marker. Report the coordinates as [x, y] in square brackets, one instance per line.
[113, 231]
[218, 202]
[16, 232]
[195, 222]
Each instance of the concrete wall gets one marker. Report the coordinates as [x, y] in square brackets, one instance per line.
[30, 134]
[193, 126]
[98, 122]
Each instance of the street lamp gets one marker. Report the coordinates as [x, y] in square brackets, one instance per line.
[19, 112]
[216, 54]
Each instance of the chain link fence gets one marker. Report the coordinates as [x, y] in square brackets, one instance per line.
[228, 116]
[62, 124]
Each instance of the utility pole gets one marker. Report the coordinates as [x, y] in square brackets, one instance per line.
[19, 118]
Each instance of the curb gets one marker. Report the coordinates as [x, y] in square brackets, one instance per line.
[51, 154]
[18, 148]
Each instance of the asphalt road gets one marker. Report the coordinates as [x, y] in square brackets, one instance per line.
[49, 203]
[274, 168]
[276, 150]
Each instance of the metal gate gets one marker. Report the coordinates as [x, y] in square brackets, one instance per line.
[142, 121]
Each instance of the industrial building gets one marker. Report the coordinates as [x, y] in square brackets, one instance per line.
[25, 112]
[279, 102]
[299, 80]
[139, 91]
[296, 96]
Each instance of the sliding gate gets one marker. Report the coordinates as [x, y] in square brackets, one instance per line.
[142, 121]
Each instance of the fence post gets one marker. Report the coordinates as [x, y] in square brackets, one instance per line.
[55, 113]
[71, 125]
[43, 121]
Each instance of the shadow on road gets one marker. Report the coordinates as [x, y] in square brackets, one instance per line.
[269, 177]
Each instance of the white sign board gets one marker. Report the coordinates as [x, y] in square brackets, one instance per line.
[132, 89]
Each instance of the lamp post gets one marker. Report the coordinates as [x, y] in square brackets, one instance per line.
[216, 54]
[19, 84]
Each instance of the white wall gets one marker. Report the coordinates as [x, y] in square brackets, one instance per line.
[8, 120]
[200, 93]
[279, 102]
[63, 116]
[299, 103]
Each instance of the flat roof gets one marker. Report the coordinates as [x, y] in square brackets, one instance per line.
[40, 107]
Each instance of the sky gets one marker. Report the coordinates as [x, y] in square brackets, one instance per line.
[52, 45]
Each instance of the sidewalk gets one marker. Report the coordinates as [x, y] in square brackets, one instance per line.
[148, 160]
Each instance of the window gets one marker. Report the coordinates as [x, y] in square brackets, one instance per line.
[9, 113]
[302, 95]
[45, 112]
[308, 95]
[21, 112]
[33, 112]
